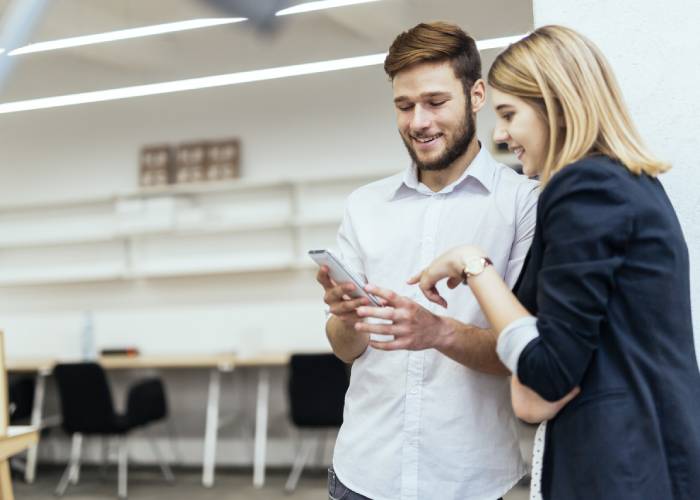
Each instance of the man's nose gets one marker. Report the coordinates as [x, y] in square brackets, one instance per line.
[421, 118]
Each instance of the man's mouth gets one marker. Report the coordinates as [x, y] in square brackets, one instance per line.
[426, 139]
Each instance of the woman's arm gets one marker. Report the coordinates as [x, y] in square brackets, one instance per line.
[502, 309]
[530, 407]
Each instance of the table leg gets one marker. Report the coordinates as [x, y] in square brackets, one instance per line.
[5, 481]
[212, 428]
[37, 414]
[261, 415]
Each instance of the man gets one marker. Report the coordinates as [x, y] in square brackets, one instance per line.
[428, 414]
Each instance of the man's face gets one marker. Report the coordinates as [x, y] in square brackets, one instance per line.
[434, 116]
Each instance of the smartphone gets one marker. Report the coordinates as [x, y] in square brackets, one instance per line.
[341, 274]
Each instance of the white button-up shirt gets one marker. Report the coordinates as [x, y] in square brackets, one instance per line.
[418, 425]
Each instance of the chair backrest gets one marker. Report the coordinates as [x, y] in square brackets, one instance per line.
[21, 391]
[86, 399]
[317, 387]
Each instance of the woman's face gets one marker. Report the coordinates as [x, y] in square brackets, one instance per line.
[522, 128]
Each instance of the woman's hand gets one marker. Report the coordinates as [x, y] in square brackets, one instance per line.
[449, 265]
[531, 407]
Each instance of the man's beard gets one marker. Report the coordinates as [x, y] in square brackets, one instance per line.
[464, 135]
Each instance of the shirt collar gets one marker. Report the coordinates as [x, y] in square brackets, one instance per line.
[480, 170]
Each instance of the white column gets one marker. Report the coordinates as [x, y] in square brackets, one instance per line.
[653, 48]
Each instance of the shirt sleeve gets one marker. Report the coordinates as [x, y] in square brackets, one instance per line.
[586, 224]
[513, 339]
[524, 232]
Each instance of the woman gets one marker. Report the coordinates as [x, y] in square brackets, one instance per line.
[603, 303]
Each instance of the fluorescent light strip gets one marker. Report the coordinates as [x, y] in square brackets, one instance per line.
[193, 83]
[159, 29]
[111, 36]
[218, 80]
[494, 43]
[319, 5]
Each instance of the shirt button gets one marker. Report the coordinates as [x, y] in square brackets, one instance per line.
[414, 390]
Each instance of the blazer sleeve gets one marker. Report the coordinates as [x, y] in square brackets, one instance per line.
[586, 224]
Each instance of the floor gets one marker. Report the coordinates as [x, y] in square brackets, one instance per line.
[147, 484]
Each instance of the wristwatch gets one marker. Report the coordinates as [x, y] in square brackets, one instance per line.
[474, 267]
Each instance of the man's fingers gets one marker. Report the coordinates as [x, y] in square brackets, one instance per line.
[377, 312]
[323, 278]
[339, 292]
[347, 306]
[390, 296]
[392, 345]
[381, 328]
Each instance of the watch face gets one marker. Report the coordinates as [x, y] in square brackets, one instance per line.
[474, 266]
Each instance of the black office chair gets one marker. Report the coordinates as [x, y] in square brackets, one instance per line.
[87, 409]
[317, 387]
[21, 398]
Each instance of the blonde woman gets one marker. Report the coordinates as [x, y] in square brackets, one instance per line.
[603, 303]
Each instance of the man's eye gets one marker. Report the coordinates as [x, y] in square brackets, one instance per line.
[436, 104]
[405, 107]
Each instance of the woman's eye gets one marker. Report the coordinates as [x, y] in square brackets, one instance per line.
[507, 116]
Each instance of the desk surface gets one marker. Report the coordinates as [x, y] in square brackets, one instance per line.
[18, 438]
[222, 361]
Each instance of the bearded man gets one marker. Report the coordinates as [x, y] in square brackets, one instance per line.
[428, 411]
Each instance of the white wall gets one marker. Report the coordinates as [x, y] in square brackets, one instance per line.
[653, 47]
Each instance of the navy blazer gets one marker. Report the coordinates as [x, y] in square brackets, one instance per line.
[607, 277]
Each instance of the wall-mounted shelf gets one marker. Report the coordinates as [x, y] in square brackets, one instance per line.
[238, 226]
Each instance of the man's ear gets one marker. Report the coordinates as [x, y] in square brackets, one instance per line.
[477, 94]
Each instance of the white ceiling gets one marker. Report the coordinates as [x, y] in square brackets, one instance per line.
[314, 36]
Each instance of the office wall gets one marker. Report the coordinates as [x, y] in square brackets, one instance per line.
[329, 123]
[654, 49]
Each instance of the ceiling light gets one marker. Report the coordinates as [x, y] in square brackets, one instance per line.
[218, 80]
[193, 83]
[111, 36]
[494, 43]
[319, 5]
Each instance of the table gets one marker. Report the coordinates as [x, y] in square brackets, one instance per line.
[217, 364]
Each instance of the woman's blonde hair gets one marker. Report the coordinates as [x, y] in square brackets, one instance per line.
[569, 82]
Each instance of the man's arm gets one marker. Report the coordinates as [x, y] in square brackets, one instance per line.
[471, 346]
[347, 343]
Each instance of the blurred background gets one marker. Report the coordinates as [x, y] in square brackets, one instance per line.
[158, 194]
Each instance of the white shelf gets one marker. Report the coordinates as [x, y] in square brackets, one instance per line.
[238, 226]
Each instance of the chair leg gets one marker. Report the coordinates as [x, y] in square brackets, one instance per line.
[305, 450]
[164, 467]
[123, 467]
[75, 471]
[69, 473]
[104, 452]
[173, 440]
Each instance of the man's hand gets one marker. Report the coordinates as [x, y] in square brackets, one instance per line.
[413, 326]
[340, 304]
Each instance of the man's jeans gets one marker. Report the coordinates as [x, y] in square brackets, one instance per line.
[338, 491]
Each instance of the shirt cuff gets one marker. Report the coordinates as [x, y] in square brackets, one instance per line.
[514, 338]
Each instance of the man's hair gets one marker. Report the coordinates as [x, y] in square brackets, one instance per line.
[567, 80]
[436, 42]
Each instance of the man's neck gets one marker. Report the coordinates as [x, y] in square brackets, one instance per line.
[436, 180]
